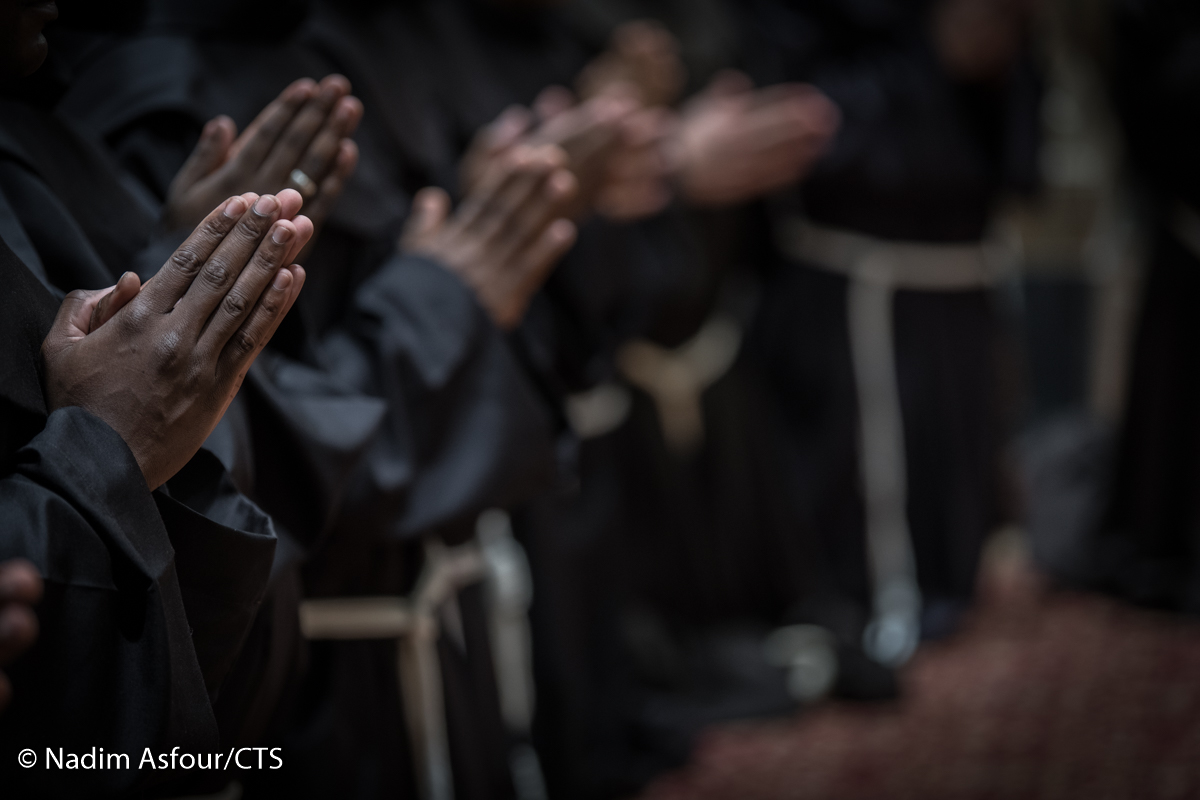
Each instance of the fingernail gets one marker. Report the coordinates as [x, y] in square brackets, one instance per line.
[282, 235]
[266, 205]
[283, 279]
[235, 208]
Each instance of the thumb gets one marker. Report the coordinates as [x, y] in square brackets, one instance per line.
[126, 289]
[211, 151]
[73, 320]
[431, 207]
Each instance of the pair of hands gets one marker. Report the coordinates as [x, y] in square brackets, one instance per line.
[300, 141]
[161, 362]
[729, 144]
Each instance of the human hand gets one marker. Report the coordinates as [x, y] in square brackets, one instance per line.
[643, 56]
[591, 133]
[507, 235]
[978, 40]
[638, 180]
[735, 143]
[20, 589]
[160, 363]
[300, 141]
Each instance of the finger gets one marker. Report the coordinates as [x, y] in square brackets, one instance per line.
[5, 691]
[73, 320]
[126, 289]
[320, 160]
[241, 298]
[520, 203]
[256, 142]
[430, 208]
[552, 101]
[223, 268]
[305, 231]
[500, 173]
[298, 137]
[172, 282]
[335, 182]
[18, 630]
[20, 582]
[513, 123]
[538, 263]
[211, 151]
[274, 304]
[548, 201]
[290, 203]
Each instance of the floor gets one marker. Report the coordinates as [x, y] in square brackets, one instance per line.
[1043, 695]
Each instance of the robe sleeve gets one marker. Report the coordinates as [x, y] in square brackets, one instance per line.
[147, 602]
[466, 428]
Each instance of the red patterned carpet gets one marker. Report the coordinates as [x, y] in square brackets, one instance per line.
[1042, 696]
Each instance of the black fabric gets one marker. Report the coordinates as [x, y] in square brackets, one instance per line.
[403, 413]
[1145, 547]
[134, 642]
[918, 156]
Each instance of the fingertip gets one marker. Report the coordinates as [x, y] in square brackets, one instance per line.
[300, 90]
[290, 203]
[282, 281]
[235, 207]
[563, 231]
[304, 227]
[562, 184]
[347, 158]
[282, 232]
[336, 81]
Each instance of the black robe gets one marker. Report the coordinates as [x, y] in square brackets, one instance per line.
[149, 596]
[1146, 548]
[396, 404]
[919, 158]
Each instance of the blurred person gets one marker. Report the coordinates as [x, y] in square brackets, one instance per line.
[107, 401]
[1145, 548]
[878, 329]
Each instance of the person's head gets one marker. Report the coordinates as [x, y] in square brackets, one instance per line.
[22, 44]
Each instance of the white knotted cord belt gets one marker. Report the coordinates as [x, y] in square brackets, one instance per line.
[876, 269]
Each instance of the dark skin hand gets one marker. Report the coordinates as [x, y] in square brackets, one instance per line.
[306, 128]
[20, 590]
[590, 134]
[735, 143]
[160, 363]
[505, 238]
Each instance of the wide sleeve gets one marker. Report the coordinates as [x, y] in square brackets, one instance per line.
[467, 429]
[139, 587]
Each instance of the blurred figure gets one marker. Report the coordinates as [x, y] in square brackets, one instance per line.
[1147, 546]
[878, 329]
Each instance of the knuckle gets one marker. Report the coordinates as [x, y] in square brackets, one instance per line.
[235, 304]
[168, 351]
[216, 274]
[186, 261]
[244, 343]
